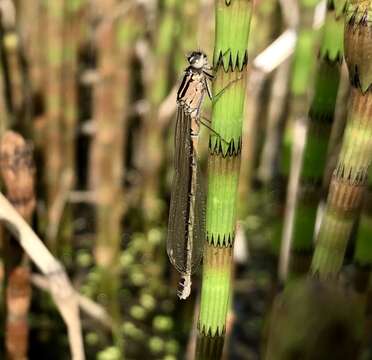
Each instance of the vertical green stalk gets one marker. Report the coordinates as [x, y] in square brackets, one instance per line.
[4, 116]
[301, 82]
[266, 26]
[70, 57]
[12, 53]
[69, 113]
[53, 143]
[157, 90]
[363, 250]
[111, 94]
[104, 149]
[321, 116]
[230, 62]
[349, 180]
[33, 34]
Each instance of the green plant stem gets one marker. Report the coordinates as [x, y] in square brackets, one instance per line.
[111, 100]
[301, 87]
[350, 178]
[53, 143]
[363, 250]
[12, 52]
[106, 162]
[230, 62]
[347, 187]
[157, 90]
[321, 116]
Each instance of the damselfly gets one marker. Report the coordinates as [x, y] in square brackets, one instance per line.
[186, 227]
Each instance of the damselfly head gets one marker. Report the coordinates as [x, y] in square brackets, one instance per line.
[198, 60]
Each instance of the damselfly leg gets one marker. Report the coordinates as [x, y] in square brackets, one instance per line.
[212, 130]
[216, 97]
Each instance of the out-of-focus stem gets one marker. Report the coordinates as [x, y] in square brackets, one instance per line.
[157, 89]
[12, 53]
[321, 116]
[17, 172]
[54, 105]
[347, 187]
[350, 177]
[106, 146]
[111, 98]
[295, 136]
[71, 38]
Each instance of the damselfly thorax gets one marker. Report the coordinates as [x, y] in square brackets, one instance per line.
[191, 93]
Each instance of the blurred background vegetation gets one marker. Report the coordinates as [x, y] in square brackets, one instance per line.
[88, 98]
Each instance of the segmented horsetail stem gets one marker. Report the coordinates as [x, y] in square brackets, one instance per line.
[350, 177]
[13, 51]
[301, 87]
[157, 89]
[53, 142]
[230, 61]
[321, 117]
[18, 175]
[363, 250]
[72, 36]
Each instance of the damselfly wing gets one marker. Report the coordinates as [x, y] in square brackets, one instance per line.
[186, 226]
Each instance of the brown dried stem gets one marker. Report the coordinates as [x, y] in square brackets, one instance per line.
[17, 171]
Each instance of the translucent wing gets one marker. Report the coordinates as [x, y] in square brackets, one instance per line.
[185, 233]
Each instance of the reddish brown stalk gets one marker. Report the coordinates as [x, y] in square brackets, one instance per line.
[107, 151]
[54, 135]
[17, 171]
[33, 34]
[72, 36]
[12, 52]
[157, 89]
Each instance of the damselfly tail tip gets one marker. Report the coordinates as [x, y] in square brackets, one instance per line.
[184, 289]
